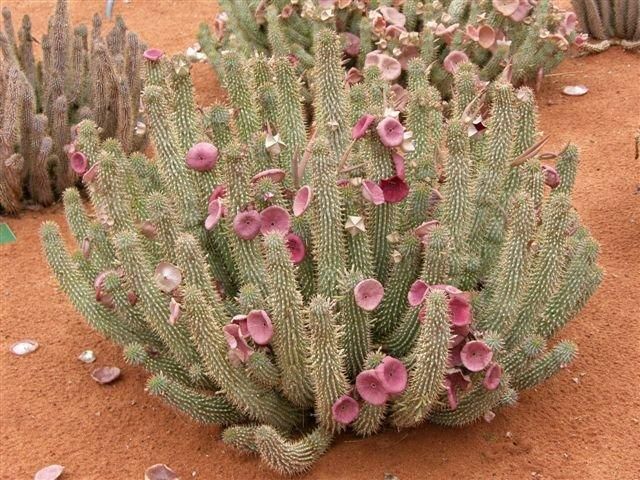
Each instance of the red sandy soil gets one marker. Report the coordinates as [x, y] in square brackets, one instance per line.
[583, 424]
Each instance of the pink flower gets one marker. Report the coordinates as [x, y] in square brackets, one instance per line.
[394, 189]
[259, 326]
[390, 131]
[486, 36]
[296, 247]
[459, 380]
[393, 31]
[372, 192]
[274, 219]
[452, 397]
[302, 200]
[390, 68]
[214, 211]
[361, 127]
[506, 7]
[153, 54]
[276, 175]
[372, 59]
[453, 61]
[392, 374]
[241, 321]
[368, 294]
[471, 32]
[524, 7]
[236, 342]
[551, 176]
[79, 162]
[492, 377]
[91, 174]
[423, 231]
[326, 3]
[400, 97]
[218, 192]
[476, 355]
[370, 388]
[351, 44]
[446, 32]
[353, 76]
[460, 309]
[455, 355]
[417, 292]
[345, 410]
[202, 157]
[393, 16]
[174, 311]
[247, 224]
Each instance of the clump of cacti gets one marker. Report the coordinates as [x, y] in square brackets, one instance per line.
[611, 22]
[376, 269]
[530, 37]
[81, 75]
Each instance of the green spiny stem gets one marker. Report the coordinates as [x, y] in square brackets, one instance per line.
[154, 304]
[436, 263]
[329, 95]
[262, 370]
[306, 272]
[328, 232]
[159, 363]
[163, 217]
[465, 90]
[508, 278]
[424, 119]
[328, 361]
[548, 365]
[285, 302]
[567, 168]
[79, 291]
[427, 365]
[356, 324]
[278, 41]
[184, 105]
[546, 270]
[241, 437]
[245, 395]
[76, 215]
[394, 302]
[471, 408]
[401, 340]
[207, 409]
[241, 96]
[290, 457]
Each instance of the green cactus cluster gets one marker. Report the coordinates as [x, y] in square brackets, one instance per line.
[529, 37]
[82, 74]
[609, 22]
[373, 269]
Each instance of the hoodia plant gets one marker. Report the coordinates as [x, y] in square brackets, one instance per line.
[380, 268]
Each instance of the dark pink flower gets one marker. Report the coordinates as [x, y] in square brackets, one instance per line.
[453, 61]
[351, 44]
[214, 211]
[236, 342]
[202, 157]
[368, 294]
[241, 321]
[398, 163]
[460, 330]
[370, 388]
[302, 200]
[492, 377]
[153, 54]
[372, 192]
[455, 355]
[417, 292]
[460, 309]
[353, 76]
[296, 247]
[390, 131]
[259, 326]
[476, 355]
[276, 175]
[247, 224]
[394, 189]
[345, 410]
[79, 162]
[361, 127]
[392, 374]
[219, 192]
[274, 219]
[486, 36]
[551, 176]
[459, 380]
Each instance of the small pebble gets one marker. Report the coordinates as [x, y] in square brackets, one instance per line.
[87, 356]
[24, 347]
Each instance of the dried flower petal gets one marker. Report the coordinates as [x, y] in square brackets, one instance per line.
[24, 347]
[575, 90]
[104, 375]
[453, 60]
[351, 44]
[551, 176]
[160, 472]
[174, 311]
[167, 277]
[51, 472]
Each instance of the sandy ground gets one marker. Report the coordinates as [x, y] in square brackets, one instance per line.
[584, 423]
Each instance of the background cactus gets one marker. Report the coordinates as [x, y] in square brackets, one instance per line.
[210, 270]
[530, 36]
[82, 75]
[611, 22]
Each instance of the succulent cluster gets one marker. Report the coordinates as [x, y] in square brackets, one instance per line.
[376, 268]
[530, 37]
[81, 75]
[610, 22]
